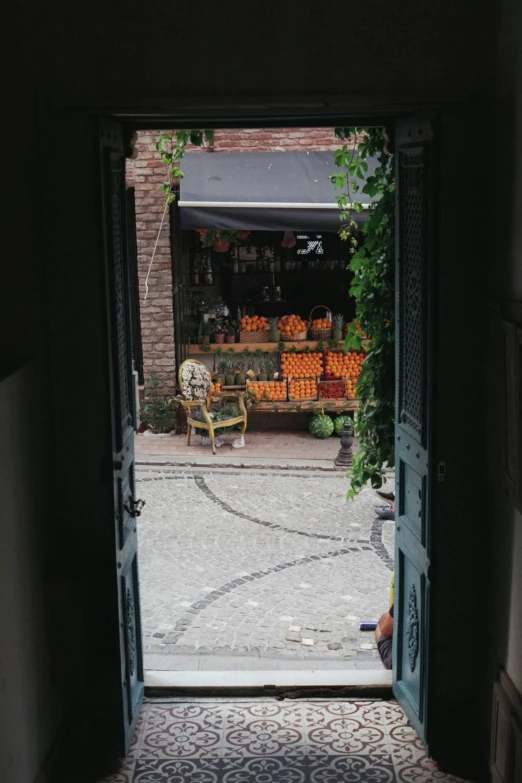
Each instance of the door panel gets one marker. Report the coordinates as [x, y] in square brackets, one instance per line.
[112, 160]
[414, 330]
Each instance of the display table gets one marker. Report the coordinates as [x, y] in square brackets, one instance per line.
[278, 406]
[238, 348]
[307, 406]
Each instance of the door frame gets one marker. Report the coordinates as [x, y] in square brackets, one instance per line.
[270, 118]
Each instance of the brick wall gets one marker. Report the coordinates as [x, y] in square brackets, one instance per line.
[272, 140]
[145, 173]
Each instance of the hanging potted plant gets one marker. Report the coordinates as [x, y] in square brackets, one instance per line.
[220, 239]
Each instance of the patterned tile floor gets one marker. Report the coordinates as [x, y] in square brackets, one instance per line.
[267, 741]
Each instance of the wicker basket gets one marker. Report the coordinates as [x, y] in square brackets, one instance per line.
[254, 337]
[319, 334]
[303, 399]
[295, 338]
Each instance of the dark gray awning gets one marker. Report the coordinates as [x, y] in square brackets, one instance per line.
[268, 191]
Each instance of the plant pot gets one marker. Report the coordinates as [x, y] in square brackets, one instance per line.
[219, 338]
[204, 340]
[222, 245]
[230, 338]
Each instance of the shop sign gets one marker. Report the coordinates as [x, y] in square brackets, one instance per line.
[310, 244]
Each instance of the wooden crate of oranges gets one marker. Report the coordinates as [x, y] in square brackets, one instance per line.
[268, 390]
[344, 365]
[302, 365]
[302, 389]
[292, 327]
[254, 329]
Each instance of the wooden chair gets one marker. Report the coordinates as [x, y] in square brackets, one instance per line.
[204, 405]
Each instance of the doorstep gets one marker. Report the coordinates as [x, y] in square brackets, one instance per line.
[277, 678]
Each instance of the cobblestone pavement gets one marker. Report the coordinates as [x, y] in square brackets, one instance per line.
[258, 566]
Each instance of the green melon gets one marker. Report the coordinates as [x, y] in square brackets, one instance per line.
[321, 426]
[339, 423]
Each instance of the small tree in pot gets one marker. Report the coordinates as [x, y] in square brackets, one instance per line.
[219, 330]
[231, 334]
[204, 331]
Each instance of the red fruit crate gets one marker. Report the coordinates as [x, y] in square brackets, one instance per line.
[332, 390]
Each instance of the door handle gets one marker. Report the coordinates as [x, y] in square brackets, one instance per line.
[134, 507]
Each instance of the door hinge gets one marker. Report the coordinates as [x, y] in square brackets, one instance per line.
[441, 471]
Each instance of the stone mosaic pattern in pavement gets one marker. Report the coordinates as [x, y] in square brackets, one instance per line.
[273, 567]
[245, 741]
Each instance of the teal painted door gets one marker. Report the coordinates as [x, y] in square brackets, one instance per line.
[415, 269]
[126, 505]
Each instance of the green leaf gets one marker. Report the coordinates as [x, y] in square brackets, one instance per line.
[338, 180]
[196, 138]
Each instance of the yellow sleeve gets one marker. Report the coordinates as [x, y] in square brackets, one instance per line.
[392, 586]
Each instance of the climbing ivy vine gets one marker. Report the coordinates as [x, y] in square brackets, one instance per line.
[372, 263]
[171, 146]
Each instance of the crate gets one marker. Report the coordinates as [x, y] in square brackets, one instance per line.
[348, 395]
[281, 385]
[291, 393]
[288, 354]
[322, 385]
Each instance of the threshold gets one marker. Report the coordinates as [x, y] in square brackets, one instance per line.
[362, 683]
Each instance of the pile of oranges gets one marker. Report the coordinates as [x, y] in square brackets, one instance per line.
[256, 323]
[301, 365]
[345, 365]
[290, 325]
[305, 389]
[269, 390]
[215, 388]
[321, 323]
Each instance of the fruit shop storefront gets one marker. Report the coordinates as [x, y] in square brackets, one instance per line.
[264, 300]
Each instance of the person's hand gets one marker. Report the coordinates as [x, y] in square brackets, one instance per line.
[384, 626]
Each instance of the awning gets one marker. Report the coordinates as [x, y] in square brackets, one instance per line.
[270, 191]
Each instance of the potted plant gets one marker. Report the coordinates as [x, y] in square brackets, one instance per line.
[204, 332]
[220, 239]
[159, 413]
[231, 334]
[219, 331]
